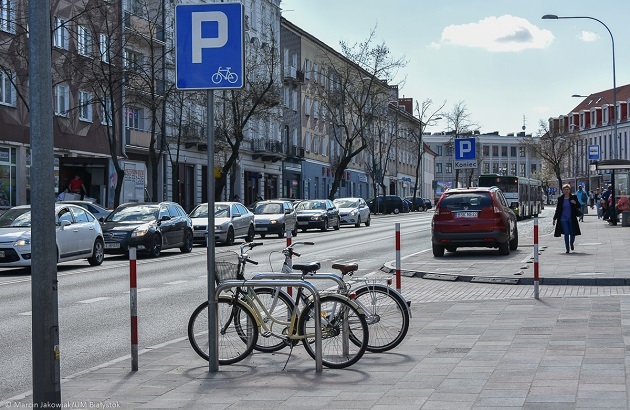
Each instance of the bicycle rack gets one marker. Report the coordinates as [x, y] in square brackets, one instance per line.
[282, 283]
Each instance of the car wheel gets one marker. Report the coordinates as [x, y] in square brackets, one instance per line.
[338, 224]
[369, 221]
[396, 210]
[281, 233]
[156, 248]
[356, 225]
[325, 225]
[250, 234]
[262, 235]
[514, 241]
[451, 249]
[188, 242]
[504, 248]
[229, 239]
[98, 253]
[438, 251]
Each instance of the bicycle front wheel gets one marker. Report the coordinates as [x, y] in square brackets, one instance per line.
[340, 321]
[387, 316]
[237, 333]
[276, 310]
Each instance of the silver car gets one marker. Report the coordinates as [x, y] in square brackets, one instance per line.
[96, 210]
[231, 220]
[78, 236]
[353, 211]
[275, 217]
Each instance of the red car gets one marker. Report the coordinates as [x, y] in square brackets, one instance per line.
[473, 217]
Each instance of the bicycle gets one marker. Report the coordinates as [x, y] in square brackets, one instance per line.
[250, 312]
[224, 74]
[386, 310]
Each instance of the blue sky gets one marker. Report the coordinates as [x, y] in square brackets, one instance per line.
[497, 56]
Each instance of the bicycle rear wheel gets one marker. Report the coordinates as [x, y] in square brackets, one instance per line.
[340, 321]
[387, 316]
[279, 305]
[237, 334]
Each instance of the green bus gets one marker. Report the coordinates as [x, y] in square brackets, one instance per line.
[524, 195]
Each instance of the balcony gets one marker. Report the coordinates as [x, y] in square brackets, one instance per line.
[293, 151]
[267, 150]
[291, 74]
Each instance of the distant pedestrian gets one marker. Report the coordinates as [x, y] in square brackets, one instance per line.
[598, 204]
[606, 197]
[567, 211]
[582, 197]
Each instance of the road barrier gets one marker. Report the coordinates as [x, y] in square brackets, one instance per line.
[536, 294]
[133, 303]
[289, 235]
[398, 256]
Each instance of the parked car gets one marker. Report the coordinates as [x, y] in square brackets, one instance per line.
[386, 205]
[353, 211]
[317, 213]
[427, 204]
[231, 220]
[78, 236]
[419, 203]
[473, 217]
[96, 210]
[149, 227]
[275, 217]
[406, 206]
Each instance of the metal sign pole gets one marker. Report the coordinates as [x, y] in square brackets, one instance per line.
[213, 328]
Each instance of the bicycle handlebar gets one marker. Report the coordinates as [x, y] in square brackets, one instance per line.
[251, 261]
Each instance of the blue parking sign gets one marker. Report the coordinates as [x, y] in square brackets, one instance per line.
[465, 149]
[209, 46]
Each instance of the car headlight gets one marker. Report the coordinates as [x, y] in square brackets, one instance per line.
[316, 217]
[22, 242]
[273, 222]
[139, 232]
[221, 227]
[353, 212]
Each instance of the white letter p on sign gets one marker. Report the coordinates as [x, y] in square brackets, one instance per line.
[198, 42]
[465, 146]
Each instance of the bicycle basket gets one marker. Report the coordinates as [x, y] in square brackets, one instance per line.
[225, 270]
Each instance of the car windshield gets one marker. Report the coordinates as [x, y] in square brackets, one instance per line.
[268, 209]
[137, 213]
[308, 205]
[346, 203]
[16, 218]
[467, 201]
[200, 212]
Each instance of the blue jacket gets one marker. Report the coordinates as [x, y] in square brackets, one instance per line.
[582, 196]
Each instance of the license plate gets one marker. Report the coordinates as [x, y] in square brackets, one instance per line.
[302, 223]
[1, 254]
[112, 245]
[261, 228]
[466, 214]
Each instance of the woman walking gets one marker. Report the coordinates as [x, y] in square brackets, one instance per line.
[567, 212]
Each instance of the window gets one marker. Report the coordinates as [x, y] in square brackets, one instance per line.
[316, 145]
[438, 168]
[134, 118]
[295, 101]
[62, 100]
[7, 89]
[533, 169]
[495, 168]
[103, 46]
[60, 34]
[449, 168]
[133, 60]
[106, 111]
[85, 105]
[512, 169]
[449, 151]
[287, 97]
[324, 149]
[307, 69]
[84, 41]
[307, 141]
[486, 168]
[521, 151]
[512, 151]
[439, 150]
[486, 150]
[522, 170]
[7, 16]
[307, 106]
[80, 215]
[504, 151]
[495, 150]
[316, 109]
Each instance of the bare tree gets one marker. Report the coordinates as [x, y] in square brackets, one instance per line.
[258, 100]
[426, 115]
[355, 95]
[459, 123]
[553, 146]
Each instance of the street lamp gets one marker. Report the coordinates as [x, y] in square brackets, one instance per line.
[612, 39]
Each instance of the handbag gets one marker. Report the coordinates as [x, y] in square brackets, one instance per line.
[578, 212]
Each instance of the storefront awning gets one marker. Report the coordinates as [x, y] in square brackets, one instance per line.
[613, 165]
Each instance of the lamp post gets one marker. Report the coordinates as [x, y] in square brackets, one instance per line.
[612, 39]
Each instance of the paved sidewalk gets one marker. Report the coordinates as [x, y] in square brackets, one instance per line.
[601, 257]
[469, 346]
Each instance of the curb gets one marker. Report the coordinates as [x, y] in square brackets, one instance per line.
[510, 281]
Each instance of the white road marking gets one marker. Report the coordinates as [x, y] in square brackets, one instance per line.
[177, 282]
[93, 300]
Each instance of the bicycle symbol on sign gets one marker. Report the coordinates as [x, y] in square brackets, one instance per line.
[224, 74]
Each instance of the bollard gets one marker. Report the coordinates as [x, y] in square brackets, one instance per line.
[398, 256]
[536, 295]
[133, 303]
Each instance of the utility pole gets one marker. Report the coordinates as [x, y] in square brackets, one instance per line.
[45, 320]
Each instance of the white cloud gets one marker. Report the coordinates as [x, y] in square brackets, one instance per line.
[588, 36]
[498, 34]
